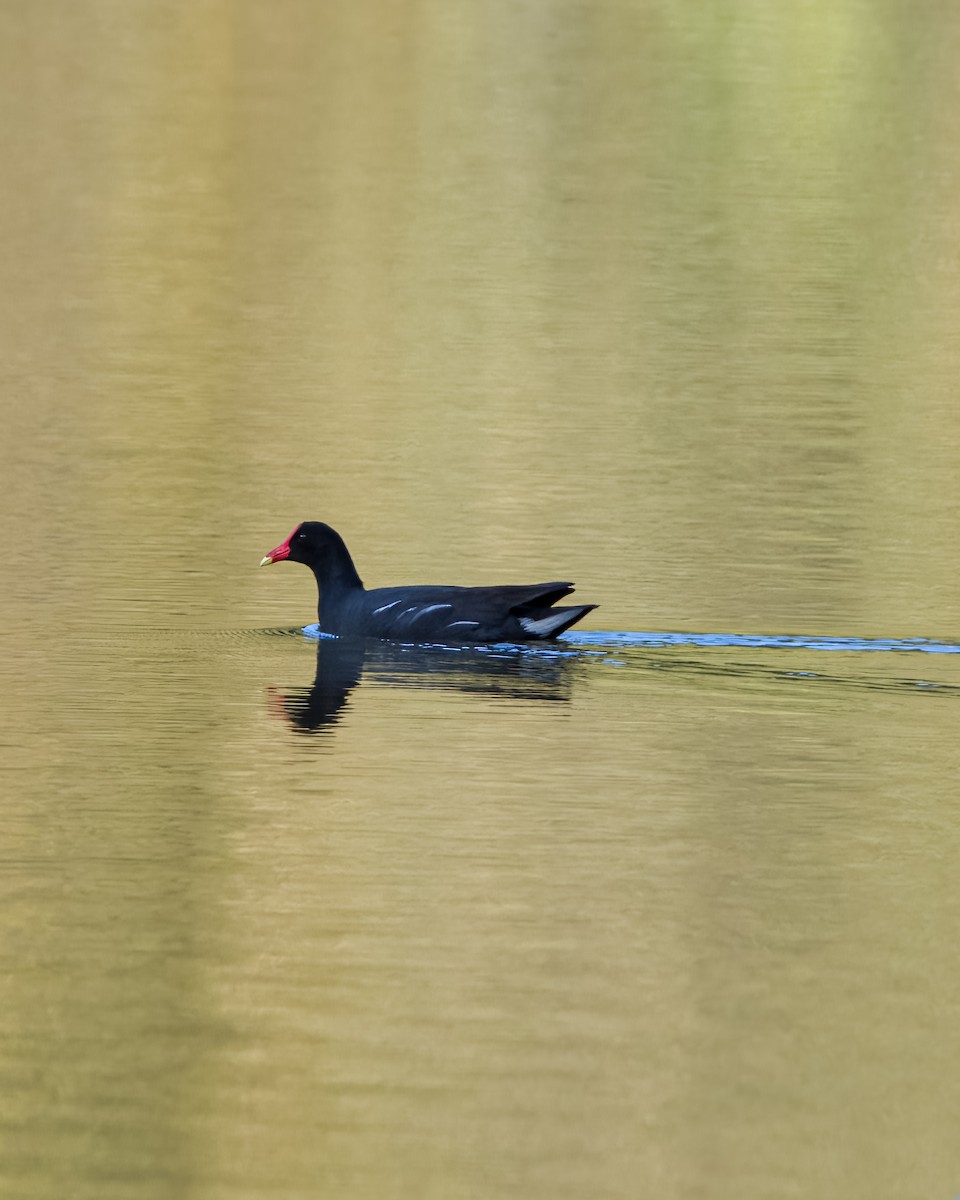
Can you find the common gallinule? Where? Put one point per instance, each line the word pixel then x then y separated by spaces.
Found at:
pixel 418 614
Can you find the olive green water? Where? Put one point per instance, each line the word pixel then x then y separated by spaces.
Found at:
pixel 660 297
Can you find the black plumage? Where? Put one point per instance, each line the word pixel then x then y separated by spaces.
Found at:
pixel 511 613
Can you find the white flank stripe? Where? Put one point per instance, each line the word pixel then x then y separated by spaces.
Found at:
pixel 456 623
pixel 429 609
pixel 384 607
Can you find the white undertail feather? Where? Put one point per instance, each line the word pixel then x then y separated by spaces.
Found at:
pixel 544 626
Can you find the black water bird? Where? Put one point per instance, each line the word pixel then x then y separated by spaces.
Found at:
pixel 512 613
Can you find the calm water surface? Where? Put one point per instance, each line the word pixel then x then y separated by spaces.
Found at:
pixel 659 300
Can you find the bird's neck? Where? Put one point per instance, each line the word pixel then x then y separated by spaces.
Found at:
pixel 337 579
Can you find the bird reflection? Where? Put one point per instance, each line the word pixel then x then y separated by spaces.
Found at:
pixel 515 673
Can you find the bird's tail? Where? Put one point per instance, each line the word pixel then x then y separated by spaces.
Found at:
pixel 548 622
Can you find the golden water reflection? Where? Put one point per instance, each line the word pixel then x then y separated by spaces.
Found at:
pixel 658 299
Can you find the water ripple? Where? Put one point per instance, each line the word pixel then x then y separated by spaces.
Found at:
pixel 619 640
pixel 764 642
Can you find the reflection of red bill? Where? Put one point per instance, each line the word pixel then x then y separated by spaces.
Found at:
pixel 279 553
pixel 277 704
